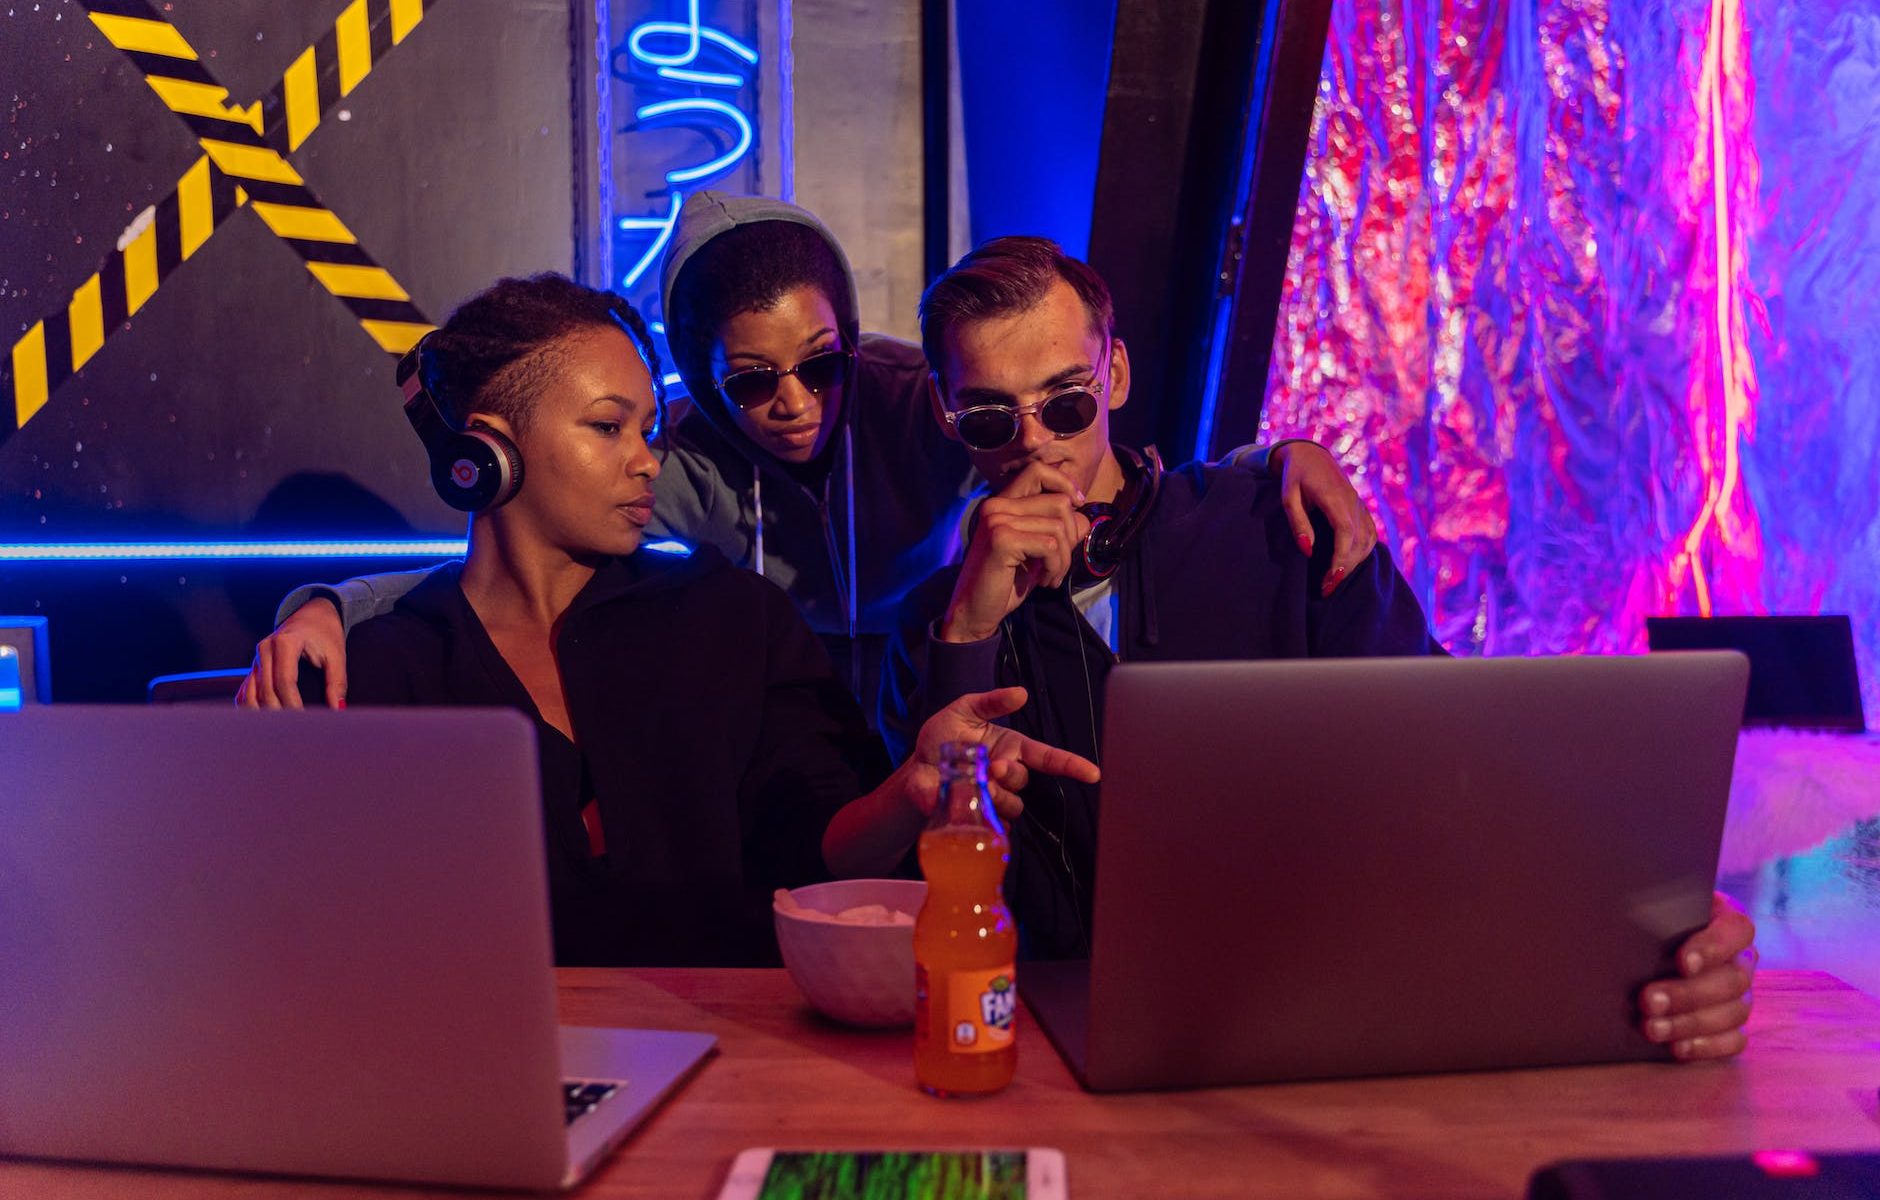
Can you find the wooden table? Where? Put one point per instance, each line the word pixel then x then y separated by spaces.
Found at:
pixel 784 1077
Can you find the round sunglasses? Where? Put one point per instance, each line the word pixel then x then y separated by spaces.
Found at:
pixel 755 386
pixel 1065 413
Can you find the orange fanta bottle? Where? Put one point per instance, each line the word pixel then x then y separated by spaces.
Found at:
pixel 965 991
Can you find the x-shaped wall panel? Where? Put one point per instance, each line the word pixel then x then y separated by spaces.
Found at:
pixel 244 164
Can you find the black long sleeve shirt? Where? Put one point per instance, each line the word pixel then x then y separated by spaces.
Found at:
pixel 709 730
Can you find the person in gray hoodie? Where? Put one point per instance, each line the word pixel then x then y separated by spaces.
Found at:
pixel 810 453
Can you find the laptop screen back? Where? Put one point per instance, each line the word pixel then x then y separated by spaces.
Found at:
pixel 310 943
pixel 1365 867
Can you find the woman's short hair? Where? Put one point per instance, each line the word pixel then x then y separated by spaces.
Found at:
pixel 1002 278
pixel 497 349
pixel 748 269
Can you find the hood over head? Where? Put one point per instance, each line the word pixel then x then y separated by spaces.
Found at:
pixel 705 217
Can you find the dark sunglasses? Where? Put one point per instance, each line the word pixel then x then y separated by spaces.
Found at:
pixel 992 426
pixel 758 385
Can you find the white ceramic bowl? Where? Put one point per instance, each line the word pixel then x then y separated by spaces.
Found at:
pixel 858 974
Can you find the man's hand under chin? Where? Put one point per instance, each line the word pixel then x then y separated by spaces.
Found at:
pixel 1026 538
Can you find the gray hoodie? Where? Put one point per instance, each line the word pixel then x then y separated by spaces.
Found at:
pixel 883 506
pixel 885 502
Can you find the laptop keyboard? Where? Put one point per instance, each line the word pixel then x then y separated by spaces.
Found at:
pixel 580 1098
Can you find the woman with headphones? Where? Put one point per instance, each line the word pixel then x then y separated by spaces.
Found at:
pixel 696 750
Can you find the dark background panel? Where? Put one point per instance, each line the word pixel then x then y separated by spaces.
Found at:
pixel 243 401
pixel 241 373
pixel 1163 141
pixel 1160 187
pixel 450 162
pixel 114 626
pixel 84 147
pixel 1190 113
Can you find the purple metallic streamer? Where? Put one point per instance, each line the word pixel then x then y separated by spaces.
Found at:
pixel 1543 305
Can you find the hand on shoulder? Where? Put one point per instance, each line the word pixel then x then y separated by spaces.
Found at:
pixel 312 633
pixel 1311 480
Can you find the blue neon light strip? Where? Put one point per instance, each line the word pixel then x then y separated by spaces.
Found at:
pixel 786 94
pixel 681 65
pixel 664 225
pixel 693 32
pixel 235 551
pixel 700 104
pixel 1211 386
pixel 323 548
pixel 707 78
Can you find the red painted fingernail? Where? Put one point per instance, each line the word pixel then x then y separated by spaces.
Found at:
pixel 341 704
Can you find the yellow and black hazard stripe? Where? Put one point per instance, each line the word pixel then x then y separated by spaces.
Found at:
pixel 245 148
pixel 56 347
pixel 172 68
pixel 318 78
pixel 332 67
pixel 334 257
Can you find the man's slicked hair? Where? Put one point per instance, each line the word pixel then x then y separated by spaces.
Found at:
pixel 1002 278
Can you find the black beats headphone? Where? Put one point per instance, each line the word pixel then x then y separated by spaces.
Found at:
pixel 479 468
pixel 1114 526
pixel 472 469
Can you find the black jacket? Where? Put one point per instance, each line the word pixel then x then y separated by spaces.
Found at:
pixel 1213 574
pixel 709 729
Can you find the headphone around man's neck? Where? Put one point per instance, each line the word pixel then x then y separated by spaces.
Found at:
pixel 1115 525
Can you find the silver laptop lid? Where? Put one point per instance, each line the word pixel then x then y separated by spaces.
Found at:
pixel 1360 867
pixel 288 942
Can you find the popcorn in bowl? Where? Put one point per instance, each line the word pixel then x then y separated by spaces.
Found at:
pixel 861 914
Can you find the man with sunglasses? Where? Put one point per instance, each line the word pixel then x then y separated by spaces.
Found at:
pixel 808 454
pixel 1088 554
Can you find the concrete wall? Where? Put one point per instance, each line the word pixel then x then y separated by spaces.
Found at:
pixel 858 145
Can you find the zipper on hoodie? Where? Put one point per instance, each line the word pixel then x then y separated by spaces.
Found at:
pixel 847 581
pixel 821 503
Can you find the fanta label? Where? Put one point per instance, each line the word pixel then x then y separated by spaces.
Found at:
pixel 981 1006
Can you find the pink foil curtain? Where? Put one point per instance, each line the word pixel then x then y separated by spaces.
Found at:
pixel 1586 294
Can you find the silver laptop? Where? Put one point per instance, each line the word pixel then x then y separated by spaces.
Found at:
pixel 1335 868
pixel 302 943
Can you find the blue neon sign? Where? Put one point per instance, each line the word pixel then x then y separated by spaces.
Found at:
pixel 673 67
